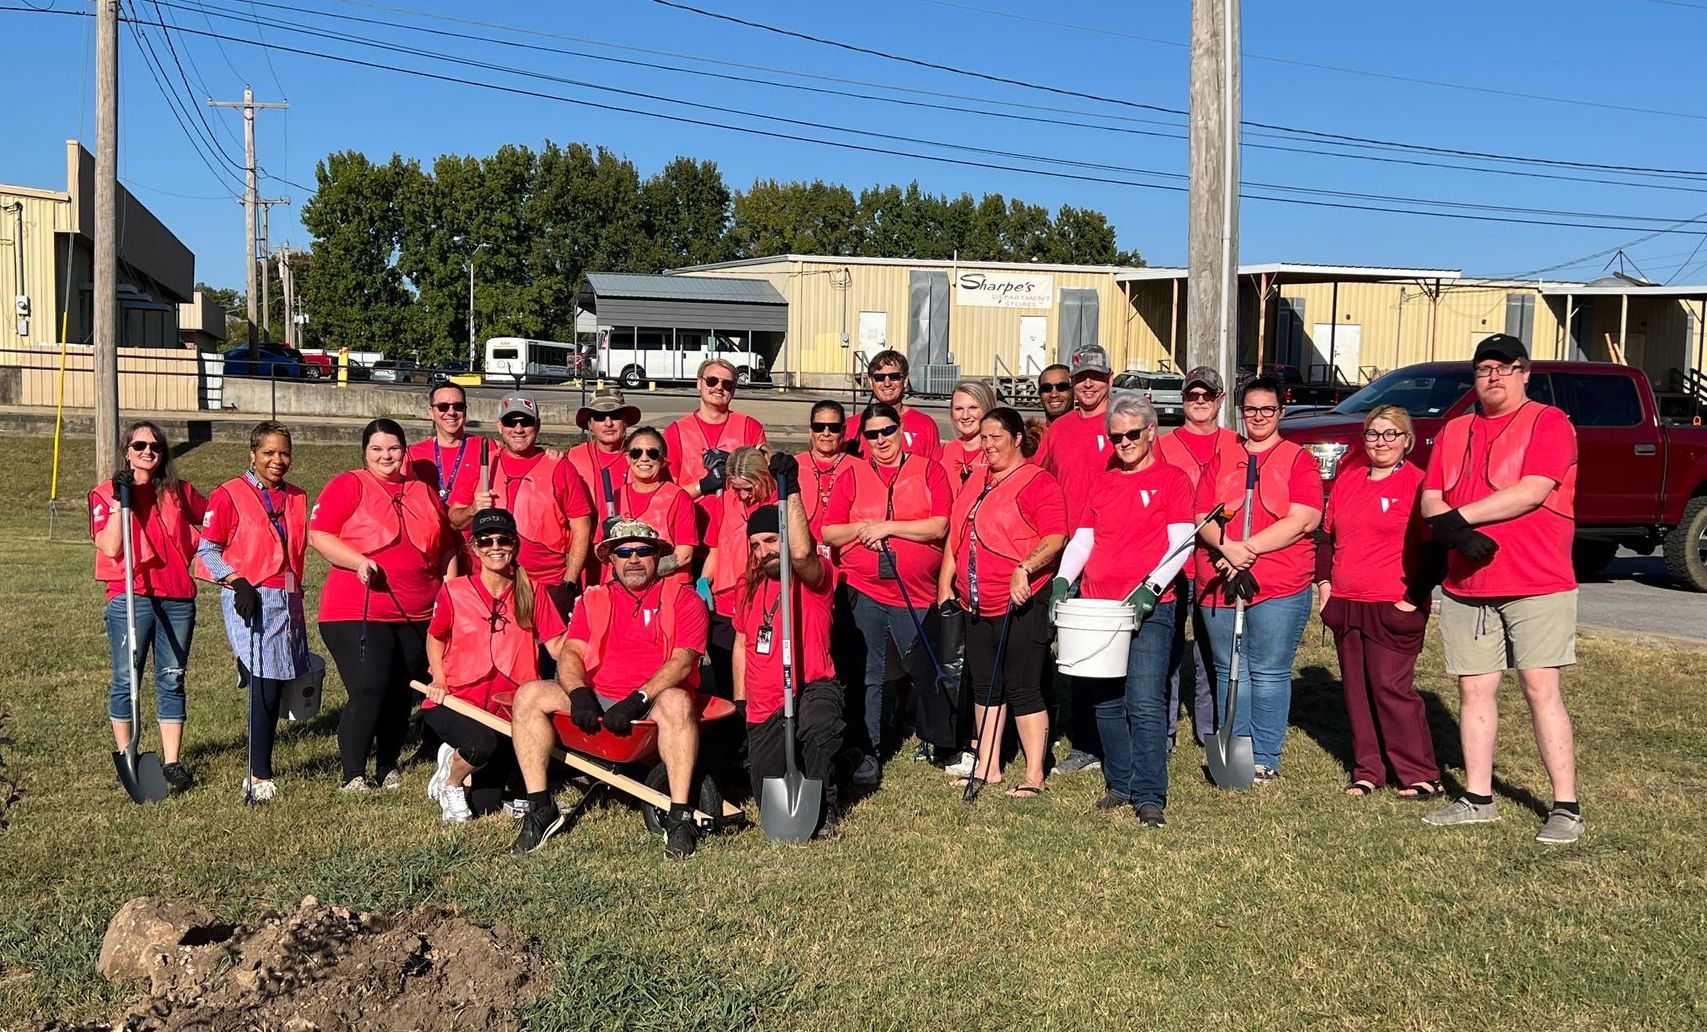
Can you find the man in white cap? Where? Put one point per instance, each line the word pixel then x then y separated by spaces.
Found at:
pixel 553 510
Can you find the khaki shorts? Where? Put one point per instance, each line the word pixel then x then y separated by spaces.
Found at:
pixel 1489 635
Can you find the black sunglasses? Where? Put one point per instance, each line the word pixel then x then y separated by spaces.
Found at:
pixel 604 417
pixel 646 453
pixel 888 377
pixel 882 431
pixel 718 381
pixel 1131 435
pixel 494 541
pixel 450 406
pixel 1199 396
pixel 1055 387
pixel 634 551
pixel 146 446
pixel 828 428
pixel 517 421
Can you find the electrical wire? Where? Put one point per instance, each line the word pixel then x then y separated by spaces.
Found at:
pixel 201 112
pixel 173 102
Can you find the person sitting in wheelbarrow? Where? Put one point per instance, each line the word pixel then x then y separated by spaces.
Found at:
pixel 758 647
pixel 632 652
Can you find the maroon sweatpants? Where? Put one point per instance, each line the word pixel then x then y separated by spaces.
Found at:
pixel 1378 647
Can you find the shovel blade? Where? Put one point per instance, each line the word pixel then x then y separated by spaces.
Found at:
pixel 145 782
pixel 1230 761
pixel 789 807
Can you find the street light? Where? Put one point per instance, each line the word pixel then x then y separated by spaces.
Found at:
pixel 459 239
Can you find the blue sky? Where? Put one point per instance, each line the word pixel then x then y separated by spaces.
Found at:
pixel 1642 54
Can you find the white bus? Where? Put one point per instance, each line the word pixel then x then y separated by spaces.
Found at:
pixel 634 355
pixel 535 361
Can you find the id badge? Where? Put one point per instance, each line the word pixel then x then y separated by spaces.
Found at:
pixel 762 641
pixel 886 566
pixel 289 581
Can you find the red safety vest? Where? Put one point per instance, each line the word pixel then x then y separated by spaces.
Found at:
pixel 596 602
pixel 1002 527
pixel 689 466
pixel 651 509
pixel 378 522
pixel 1274 479
pixel 911 494
pixel 169 510
pixel 960 464
pixel 539 515
pixel 1505 456
pixel 254 550
pixel 1227 449
pixel 817 483
pixel 586 460
pixel 476 654
pixel 731 541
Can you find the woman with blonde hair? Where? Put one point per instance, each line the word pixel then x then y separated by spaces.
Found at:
pixel 748 485
pixel 963 457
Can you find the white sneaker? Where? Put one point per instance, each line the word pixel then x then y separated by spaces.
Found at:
pixel 257 790
pixel 961 767
pixel 453 805
pixel 355 785
pixel 441 773
pixel 869 771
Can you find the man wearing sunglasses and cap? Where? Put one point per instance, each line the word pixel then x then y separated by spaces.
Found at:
pixel 603 458
pixel 886 375
pixel 700 443
pixel 449 461
pixel 632 652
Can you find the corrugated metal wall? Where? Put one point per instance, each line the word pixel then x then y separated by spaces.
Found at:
pixel 42 282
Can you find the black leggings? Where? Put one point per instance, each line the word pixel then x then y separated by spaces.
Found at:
pixel 1020 682
pixel 264 698
pixel 477 743
pixel 376 717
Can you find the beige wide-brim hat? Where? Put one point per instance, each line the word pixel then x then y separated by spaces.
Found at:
pixel 607 399
pixel 625 532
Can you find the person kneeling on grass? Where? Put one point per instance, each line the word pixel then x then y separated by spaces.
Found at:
pixel 758 656
pixel 632 652
pixel 483 640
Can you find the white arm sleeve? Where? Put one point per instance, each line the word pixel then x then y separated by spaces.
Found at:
pixel 1164 574
pixel 1076 554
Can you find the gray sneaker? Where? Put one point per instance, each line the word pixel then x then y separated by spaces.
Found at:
pixel 869 772
pixel 393 779
pixel 355 784
pixel 1077 760
pixel 1562 828
pixel 1463 811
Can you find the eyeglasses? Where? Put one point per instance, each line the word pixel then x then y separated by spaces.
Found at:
pixel 146 446
pixel 887 377
pixel 718 381
pixel 450 406
pixel 634 551
pixel 1055 387
pixel 1504 369
pixel 494 541
pixel 882 431
pixel 513 421
pixel 646 453
pixel 1131 435
pixel 1199 396
pixel 604 417
pixel 828 428
pixel 1260 411
pixel 1383 435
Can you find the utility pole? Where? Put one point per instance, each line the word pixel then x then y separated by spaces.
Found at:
pixel 1212 304
pixel 266 205
pixel 104 333
pixel 285 281
pixel 250 201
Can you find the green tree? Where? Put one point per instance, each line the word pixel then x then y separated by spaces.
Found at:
pixel 355 292
pixel 686 211
pixel 802 218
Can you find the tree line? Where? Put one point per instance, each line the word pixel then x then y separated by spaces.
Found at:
pixel 391 240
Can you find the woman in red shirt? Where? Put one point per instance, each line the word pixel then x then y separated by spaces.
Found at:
pixel 963 458
pixel 1272 569
pixel 1004 535
pixel 643 494
pixel 749 485
pixel 887 517
pixel 165 513
pixel 1372 578
pixel 390 544
pixel 483 640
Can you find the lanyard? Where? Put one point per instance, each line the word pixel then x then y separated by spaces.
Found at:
pixel 826 479
pixel 497 618
pixel 972 535
pixel 274 516
pixel 770 614
pixel 889 502
pixel 438 464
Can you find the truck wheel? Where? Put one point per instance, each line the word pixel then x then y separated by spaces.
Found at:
pixel 1590 558
pixel 631 378
pixel 743 376
pixel 1686 547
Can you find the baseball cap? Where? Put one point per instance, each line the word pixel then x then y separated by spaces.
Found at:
pixel 1090 358
pixel 518 403
pixel 606 399
pixel 1206 377
pixel 493 521
pixel 1501 347
pixel 624 532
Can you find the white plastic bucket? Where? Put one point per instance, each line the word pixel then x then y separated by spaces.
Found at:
pixel 1093 636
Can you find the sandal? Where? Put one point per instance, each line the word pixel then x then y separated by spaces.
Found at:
pixel 1422 791
pixel 1360 788
pixel 971 779
pixel 1027 791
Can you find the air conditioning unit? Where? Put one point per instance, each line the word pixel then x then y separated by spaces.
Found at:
pixel 935 380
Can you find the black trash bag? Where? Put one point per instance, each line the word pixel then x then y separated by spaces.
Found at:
pixel 936 688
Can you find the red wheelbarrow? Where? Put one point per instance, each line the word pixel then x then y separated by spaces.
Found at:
pixel 601 756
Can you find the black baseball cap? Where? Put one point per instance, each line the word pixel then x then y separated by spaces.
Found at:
pixel 493 521
pixel 1501 347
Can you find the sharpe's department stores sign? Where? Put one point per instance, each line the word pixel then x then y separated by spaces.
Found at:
pixel 1004 290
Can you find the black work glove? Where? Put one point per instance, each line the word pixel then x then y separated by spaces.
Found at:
pixel 620 718
pixel 1452 530
pixel 786 469
pixel 716 471
pixel 741 710
pixel 609 522
pixel 1242 584
pixel 563 596
pixel 123 481
pixel 584 710
pixel 246 601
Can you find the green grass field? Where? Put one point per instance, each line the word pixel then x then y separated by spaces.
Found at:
pixel 1285 907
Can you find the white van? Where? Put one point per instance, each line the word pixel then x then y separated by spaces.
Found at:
pixel 634 355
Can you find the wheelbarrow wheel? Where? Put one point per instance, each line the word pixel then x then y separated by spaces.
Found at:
pixel 705 794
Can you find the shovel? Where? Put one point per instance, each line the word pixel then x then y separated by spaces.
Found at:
pixel 141 776
pixel 789 805
pixel 1231 764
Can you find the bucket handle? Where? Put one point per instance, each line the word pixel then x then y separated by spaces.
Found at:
pixel 1112 635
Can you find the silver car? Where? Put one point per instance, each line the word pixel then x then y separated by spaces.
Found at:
pixel 1163 390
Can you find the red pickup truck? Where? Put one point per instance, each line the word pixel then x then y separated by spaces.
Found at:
pixel 1641 481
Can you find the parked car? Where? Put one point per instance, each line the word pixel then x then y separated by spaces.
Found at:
pixel 1641 483
pixel 316 365
pixel 273 361
pixel 398 370
pixel 1163 390
pixel 1295 390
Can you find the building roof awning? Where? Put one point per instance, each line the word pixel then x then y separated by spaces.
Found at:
pixel 685 302
pixel 1300 272
pixel 1622 290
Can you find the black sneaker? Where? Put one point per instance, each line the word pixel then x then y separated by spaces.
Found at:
pixel 538 826
pixel 177 777
pixel 681 836
pixel 1150 816
pixel 1112 801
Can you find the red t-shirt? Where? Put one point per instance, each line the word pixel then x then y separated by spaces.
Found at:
pixel 566 487
pixel 917 564
pixel 631 644
pixel 1376 526
pixel 1044 508
pixel 413 577
pixel 1201 446
pixel 221 523
pixel 963 464
pixel 919 433
pixel 1278 574
pixel 1130 513
pixel 1076 451
pixel 812 608
pixel 1535 549
pixel 460 465
pixel 752 435
pixel 547 624
pixel 171 578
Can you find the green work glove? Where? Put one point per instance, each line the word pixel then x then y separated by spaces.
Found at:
pixel 1143 600
pixel 1058 589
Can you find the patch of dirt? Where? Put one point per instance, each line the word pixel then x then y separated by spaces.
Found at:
pixel 322 967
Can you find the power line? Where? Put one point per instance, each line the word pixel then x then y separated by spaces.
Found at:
pixel 172 101
pixel 212 137
pixel 189 56
pixel 269 56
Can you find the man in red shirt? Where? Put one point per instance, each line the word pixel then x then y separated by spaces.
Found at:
pixel 1500 493
pixel 632 652
pixel 553 509
pixel 886 375
pixel 1055 391
pixel 758 653
pixel 449 461
pixel 701 442
pixel 1076 451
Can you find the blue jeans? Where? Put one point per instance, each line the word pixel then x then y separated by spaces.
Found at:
pixel 1203 696
pixel 878 625
pixel 1272 630
pixel 166 625
pixel 1132 715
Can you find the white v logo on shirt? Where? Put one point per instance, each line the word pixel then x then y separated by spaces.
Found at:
pixel 1145 495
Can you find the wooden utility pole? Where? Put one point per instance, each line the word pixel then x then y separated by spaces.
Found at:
pixel 1213 288
pixel 250 201
pixel 104 337
pixel 266 257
